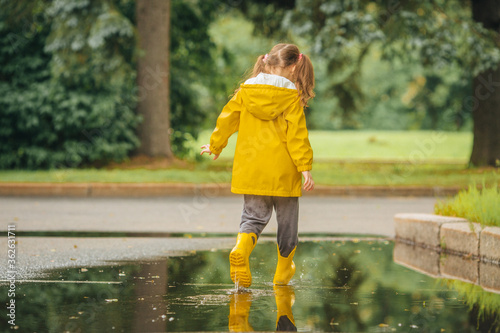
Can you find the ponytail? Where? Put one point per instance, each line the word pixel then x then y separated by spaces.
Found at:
pixel 304 76
pixel 259 67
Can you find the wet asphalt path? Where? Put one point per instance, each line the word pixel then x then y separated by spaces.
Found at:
pixel 331 215
pixel 196 215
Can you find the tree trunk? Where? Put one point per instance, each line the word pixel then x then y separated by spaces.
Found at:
pixel 153 26
pixel 486 95
pixel 147 312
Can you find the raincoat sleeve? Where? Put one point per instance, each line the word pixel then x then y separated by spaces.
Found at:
pixel 298 138
pixel 227 123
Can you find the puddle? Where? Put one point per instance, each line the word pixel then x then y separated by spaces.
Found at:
pixel 339 286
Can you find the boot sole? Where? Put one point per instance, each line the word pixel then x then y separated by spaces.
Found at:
pixel 240 269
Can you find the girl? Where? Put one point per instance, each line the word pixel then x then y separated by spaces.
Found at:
pixel 272 151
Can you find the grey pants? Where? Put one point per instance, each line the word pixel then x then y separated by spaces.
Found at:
pixel 257 211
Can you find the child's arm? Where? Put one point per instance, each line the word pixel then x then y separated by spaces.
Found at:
pixel 298 144
pixel 297 138
pixel 227 124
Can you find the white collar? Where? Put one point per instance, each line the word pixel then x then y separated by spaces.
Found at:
pixel 272 80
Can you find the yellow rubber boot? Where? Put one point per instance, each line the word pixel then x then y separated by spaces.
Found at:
pixel 285 269
pixel 238 258
pixel 285 297
pixel 239 310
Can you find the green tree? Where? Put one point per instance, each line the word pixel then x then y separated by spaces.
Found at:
pixel 66 86
pixel 486 101
pixel 198 87
pixel 153 67
pixel 437 34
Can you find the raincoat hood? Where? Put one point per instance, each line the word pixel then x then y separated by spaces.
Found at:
pixel 268 95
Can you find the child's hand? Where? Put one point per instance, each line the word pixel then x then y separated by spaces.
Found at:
pixel 308 181
pixel 206 149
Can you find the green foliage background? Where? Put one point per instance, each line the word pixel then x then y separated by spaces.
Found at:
pixel 68 68
pixel 66 84
pixel 67 80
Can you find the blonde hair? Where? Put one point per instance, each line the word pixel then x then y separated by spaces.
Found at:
pixel 284 55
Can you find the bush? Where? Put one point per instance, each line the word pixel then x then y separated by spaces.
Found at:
pixel 62 106
pixel 47 126
pixel 482 206
pixel 67 80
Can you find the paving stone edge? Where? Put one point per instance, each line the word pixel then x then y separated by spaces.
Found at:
pixel 466 250
pixel 420 230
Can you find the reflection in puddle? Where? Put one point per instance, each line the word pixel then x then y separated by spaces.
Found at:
pixel 458 267
pixel 347 286
pixel 241 301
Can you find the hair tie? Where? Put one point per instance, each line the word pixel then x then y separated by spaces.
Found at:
pixel 265 58
pixel 300 56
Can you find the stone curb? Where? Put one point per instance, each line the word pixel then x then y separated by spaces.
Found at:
pixel 452 235
pixel 422 229
pixel 209 190
pixel 449 247
pixel 490 244
pixel 461 238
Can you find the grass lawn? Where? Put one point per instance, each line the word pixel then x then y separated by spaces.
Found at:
pixel 341 158
pixel 417 146
pixel 324 173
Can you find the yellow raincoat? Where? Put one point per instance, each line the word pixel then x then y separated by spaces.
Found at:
pixel 273 145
